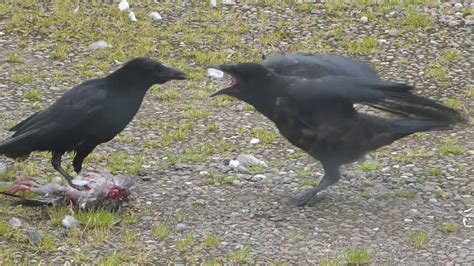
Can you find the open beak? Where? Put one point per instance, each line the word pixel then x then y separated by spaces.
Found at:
pixel 173 73
pixel 229 90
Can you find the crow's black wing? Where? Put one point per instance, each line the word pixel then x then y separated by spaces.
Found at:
pixel 318 65
pixel 71 112
pixel 335 96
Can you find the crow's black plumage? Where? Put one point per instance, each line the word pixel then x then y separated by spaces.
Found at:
pixel 311 101
pixel 88 115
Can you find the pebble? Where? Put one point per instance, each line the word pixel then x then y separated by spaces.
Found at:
pixel 180 227
pixel 70 221
pixel 254 141
pixel 458 6
pixel 123 5
pixel 3 168
pixel 155 16
pixel 406 220
pixel 15 222
pixel 34 236
pixel 132 17
pixel 146 178
pixel 433 200
pixel 453 23
pixel 258 177
pixel 393 32
pixel 99 45
pixel 364 19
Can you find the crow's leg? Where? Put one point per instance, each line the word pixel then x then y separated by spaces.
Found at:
pixel 310 197
pixel 56 162
pixel 79 158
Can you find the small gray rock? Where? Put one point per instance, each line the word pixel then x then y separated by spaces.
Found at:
pixel 146 178
pixel 155 16
pixel 453 23
pixel 99 45
pixel 180 227
pixel 364 19
pixel 70 222
pixel 3 168
pixel 433 200
pixel 458 6
pixel 393 32
pixel 34 236
pixel 259 177
pixel 15 222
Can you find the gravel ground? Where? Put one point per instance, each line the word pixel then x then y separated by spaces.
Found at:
pixel 417 187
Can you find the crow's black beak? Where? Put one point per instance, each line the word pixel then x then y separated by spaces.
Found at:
pixel 173 73
pixel 231 90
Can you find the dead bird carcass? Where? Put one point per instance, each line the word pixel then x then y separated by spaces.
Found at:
pixel 104 190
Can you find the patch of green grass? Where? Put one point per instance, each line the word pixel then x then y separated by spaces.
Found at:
pixel 248 108
pixel 130 218
pixel 165 94
pixel 212 241
pixel 60 51
pixel 415 19
pixel 186 242
pixel 23 79
pixel 122 162
pixel 124 138
pixel 470 92
pixel 161 231
pixel 357 256
pixel 438 72
pixel 449 55
pixel 222 101
pixel 309 182
pixel 9 124
pixel 405 194
pixel 239 256
pixel 451 146
pixel 369 166
pixel 208 181
pixel 228 180
pixel 332 262
pixel 213 127
pixel 200 153
pixel 99 218
pixel 12 58
pixel 5 230
pixel 27 168
pixel 366 46
pixel 9 174
pixel 418 239
pixel 305 7
pixel 115 259
pixel 181 216
pixel 129 240
pixel 257 169
pixel 450 228
pixel 194 114
pixel 56 214
pixel 33 95
pixel 436 171
pixel 46 244
pixel 265 136
pixel 210 262
pixel 453 103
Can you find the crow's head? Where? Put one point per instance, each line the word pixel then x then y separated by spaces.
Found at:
pixel 249 81
pixel 150 71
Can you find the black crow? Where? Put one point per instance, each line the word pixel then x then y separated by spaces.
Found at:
pixel 87 115
pixel 318 116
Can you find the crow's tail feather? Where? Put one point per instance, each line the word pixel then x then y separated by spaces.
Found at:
pixel 407 104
